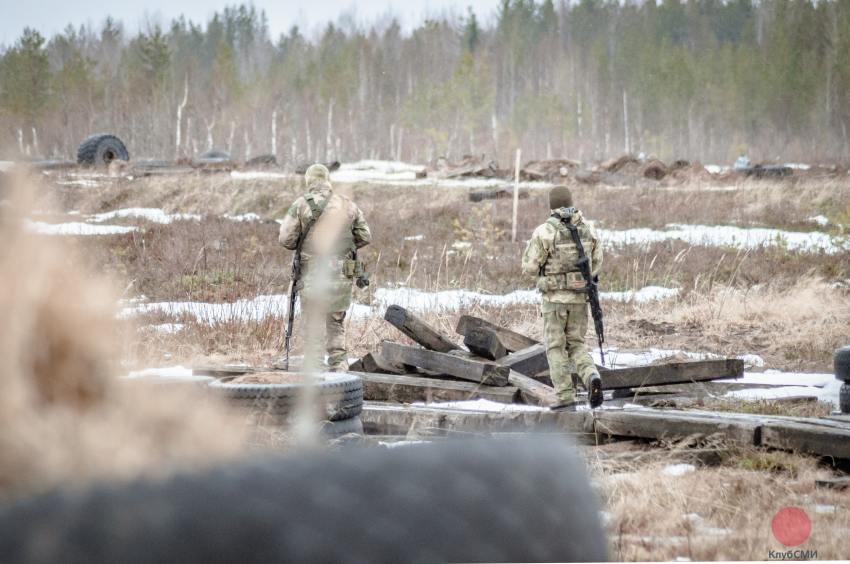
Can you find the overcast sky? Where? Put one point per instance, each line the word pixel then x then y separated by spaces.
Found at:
pixel 51 16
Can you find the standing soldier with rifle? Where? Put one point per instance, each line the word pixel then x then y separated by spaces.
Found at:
pixel 566 277
pixel 323 225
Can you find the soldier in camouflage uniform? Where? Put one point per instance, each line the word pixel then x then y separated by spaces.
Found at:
pixel 335 229
pixel 551 255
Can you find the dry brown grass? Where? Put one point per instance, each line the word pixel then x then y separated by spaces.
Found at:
pixel 718 513
pixel 65 417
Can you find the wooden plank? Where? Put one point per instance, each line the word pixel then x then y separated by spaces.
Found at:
pixel 412 326
pixel 485 343
pixel 413 388
pixel 395 419
pixel 465 368
pixel 530 361
pixel 656 424
pixel 373 362
pixel 671 373
pixel 533 391
pixel 512 340
pixel 810 439
pixel 834 483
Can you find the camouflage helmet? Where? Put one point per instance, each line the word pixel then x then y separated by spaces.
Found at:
pixel 317 172
pixel 560 197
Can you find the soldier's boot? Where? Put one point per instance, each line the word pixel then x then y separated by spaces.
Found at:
pixel 594 391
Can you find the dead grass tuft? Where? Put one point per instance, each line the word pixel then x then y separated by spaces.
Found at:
pixel 65 417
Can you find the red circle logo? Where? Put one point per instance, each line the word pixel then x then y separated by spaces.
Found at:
pixel 791 526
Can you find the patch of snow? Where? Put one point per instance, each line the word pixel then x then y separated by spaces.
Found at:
pixel 824 387
pixel 644 295
pixel 752 361
pixel 776 392
pixel 75 228
pixel 716 169
pixel 259 175
pixel 414 238
pixel 778 378
pixel 6 165
pixel 726 236
pixel 482 405
pixel 798 166
pixel 79 182
pixel 166 373
pixel 251 216
pixel 255 309
pixel 404 174
pixel 821 220
pixel 154 215
pixel 678 469
pixel 396 444
pixel 825 509
pixel 417 300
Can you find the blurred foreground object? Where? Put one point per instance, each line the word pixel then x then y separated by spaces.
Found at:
pixel 458 501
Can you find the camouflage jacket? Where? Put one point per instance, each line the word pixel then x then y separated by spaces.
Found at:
pixel 340 229
pixel 551 256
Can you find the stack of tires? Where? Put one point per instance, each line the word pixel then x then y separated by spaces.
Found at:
pixel 841 361
pixel 335 398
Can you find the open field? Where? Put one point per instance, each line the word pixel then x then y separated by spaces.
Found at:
pixel 199 277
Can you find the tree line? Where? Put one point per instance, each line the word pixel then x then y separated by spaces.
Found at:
pixel 589 79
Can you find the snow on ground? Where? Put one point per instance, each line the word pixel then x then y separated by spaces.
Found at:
pixel 482 405
pixel 678 469
pixel 167 327
pixel 243 217
pixel 154 215
pixel 80 182
pixel 777 384
pixel 821 220
pixel 716 169
pixel 6 165
pixel 75 228
pixel 166 373
pixel 644 295
pixel 404 174
pixel 726 236
pixel 261 307
pixel 259 175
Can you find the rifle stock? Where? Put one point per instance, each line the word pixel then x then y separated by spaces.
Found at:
pixel 591 286
pixel 293 294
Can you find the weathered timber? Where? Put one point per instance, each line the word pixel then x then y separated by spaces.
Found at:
pixel 533 391
pixel 414 388
pixel 814 439
pixel 223 371
pixel 412 326
pixel 488 373
pixel 654 424
pixel 485 343
pixel 512 340
pixel 530 361
pixel 394 419
pixel 670 373
pixel 375 363
pixel 834 483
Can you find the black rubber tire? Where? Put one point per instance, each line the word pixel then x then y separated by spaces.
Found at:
pixel 100 149
pixel 456 501
pixel 338 396
pixel 844 398
pixel 841 362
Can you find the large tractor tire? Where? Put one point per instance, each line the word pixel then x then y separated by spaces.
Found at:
pixel 841 363
pixel 456 501
pixel 336 396
pixel 101 149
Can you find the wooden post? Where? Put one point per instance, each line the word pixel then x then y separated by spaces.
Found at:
pixel 488 373
pixel 415 328
pixel 516 195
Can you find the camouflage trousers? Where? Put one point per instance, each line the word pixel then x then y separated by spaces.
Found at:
pixel 334 338
pixel 564 326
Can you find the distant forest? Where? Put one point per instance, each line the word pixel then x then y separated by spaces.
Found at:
pixel 697 79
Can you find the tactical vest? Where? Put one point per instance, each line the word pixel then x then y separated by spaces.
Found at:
pixel 560 273
pixel 349 266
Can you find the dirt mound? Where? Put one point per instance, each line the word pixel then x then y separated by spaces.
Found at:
pixel 551 169
pixel 469 165
pixel 654 169
pixel 627 164
pixel 684 171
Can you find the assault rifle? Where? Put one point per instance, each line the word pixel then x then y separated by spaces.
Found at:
pixel 293 284
pixel 591 286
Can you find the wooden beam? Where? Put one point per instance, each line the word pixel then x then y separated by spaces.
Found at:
pixel 412 326
pixel 485 343
pixel 670 373
pixel 532 391
pixel 833 483
pixel 529 361
pixel 814 439
pixel 512 340
pixel 381 418
pixel 374 363
pixel 657 424
pixel 414 388
pixel 467 369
